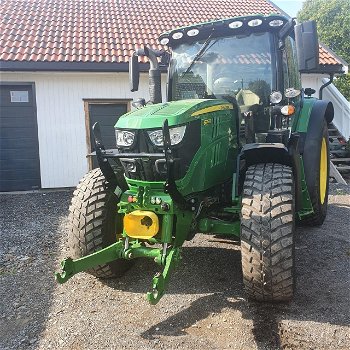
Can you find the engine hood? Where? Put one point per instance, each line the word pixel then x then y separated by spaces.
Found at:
pixel 177 113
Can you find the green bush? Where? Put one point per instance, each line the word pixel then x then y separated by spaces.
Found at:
pixel 343 85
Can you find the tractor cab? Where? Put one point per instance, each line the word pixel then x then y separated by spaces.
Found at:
pixel 250 61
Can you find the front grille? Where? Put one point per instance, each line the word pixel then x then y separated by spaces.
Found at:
pixel 155 169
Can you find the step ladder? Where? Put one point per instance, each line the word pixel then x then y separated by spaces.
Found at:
pixel 340 160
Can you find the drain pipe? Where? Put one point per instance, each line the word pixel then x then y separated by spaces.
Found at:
pixel 331 76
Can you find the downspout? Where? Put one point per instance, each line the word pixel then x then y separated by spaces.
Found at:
pixel 331 76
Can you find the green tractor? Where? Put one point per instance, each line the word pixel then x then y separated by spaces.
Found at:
pixel 239 149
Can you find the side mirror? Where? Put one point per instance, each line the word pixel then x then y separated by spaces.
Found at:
pixel 134 72
pixel 306 39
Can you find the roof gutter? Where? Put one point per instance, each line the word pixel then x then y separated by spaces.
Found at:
pixel 30 66
pixel 326 69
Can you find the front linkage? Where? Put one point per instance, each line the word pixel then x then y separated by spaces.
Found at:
pixel 168 258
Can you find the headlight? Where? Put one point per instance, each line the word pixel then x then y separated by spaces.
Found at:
pixel 124 138
pixel 176 135
pixel 276 97
pixel 291 92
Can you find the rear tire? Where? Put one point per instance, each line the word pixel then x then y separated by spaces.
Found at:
pixel 95 223
pixel 267 232
pixel 316 164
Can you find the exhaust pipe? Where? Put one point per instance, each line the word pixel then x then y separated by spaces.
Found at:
pixel 155 87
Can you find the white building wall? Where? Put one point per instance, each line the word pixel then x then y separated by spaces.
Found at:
pixel 61 118
pixel 341 109
pixel 313 81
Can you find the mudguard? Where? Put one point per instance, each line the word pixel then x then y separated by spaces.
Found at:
pixel 254 153
pixel 310 121
pixel 272 153
pixel 321 110
pixel 310 147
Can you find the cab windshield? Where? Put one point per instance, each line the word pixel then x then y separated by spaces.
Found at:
pixel 239 67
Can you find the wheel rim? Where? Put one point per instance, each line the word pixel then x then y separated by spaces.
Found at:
pixel 323 171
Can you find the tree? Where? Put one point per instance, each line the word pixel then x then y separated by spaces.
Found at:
pixel 333 27
pixel 343 85
pixel 333 23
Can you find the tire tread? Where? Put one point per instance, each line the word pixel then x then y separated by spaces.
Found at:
pixel 88 217
pixel 267 230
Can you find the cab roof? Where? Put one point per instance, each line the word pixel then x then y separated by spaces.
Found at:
pixel 225 27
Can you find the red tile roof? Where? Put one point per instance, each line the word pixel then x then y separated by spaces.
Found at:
pixel 327 58
pixel 106 30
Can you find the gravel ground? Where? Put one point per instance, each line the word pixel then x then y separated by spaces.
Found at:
pixel 204 308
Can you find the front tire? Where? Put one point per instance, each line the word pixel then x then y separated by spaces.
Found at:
pixel 267 232
pixel 95 223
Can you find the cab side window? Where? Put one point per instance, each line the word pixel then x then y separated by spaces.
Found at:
pixel 290 65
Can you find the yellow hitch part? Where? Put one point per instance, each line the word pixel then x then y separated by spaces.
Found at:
pixel 141 224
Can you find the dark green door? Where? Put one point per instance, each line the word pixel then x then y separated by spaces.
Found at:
pixel 19 146
pixel 106 115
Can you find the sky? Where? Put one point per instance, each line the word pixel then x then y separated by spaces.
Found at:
pixel 289 6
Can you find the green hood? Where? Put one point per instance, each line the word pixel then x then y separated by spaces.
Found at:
pixel 177 113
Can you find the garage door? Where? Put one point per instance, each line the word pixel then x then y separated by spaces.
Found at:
pixel 106 115
pixel 19 149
